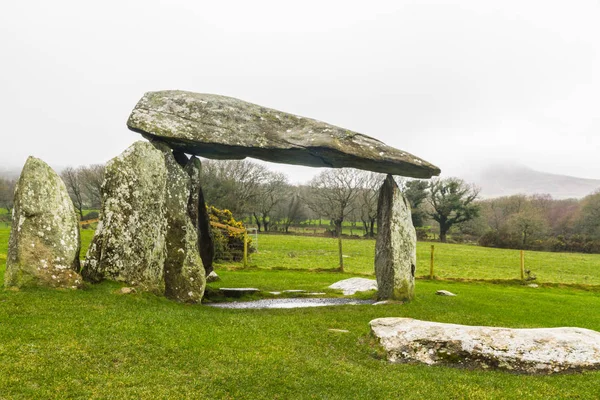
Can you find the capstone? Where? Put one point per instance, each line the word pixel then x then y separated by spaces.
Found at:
pixel 222 127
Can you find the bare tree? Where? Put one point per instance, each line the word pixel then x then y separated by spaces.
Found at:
pixel 333 194
pixel 7 191
pixel 232 184
pixel 270 194
pixel 292 210
pixel 367 200
pixel 92 178
pixel 72 179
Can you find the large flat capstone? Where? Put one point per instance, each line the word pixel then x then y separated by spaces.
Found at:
pixel 222 127
pixel 543 350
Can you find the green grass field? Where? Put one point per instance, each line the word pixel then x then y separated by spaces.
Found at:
pixel 451 260
pixel 94 343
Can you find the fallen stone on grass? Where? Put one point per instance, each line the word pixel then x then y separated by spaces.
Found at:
pixel 531 351
pixel 43 248
pixel 294 291
pixel 339 330
pixel 289 303
pixel 352 285
pixel 444 293
pixel 533 285
pixel 127 290
pixel 212 277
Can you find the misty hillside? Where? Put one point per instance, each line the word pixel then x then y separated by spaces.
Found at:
pixel 499 181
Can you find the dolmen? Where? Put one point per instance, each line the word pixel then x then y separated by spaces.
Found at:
pixel 528 351
pixel 221 127
pixel 154 232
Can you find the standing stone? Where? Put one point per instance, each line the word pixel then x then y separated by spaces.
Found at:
pixel 199 215
pixel 395 247
pixel 184 274
pixel 44 240
pixel 129 243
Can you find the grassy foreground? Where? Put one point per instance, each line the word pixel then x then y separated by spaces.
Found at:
pixel 95 343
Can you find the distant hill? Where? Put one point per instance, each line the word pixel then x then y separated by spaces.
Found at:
pixel 496 181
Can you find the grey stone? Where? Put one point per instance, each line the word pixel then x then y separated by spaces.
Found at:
pixel 44 242
pixel 352 285
pixel 146 236
pixel 395 246
pixel 543 350
pixel 444 293
pixel 184 274
pixel 212 277
pixel 199 215
pixel 129 243
pixel 127 290
pixel 226 128
pixel 533 285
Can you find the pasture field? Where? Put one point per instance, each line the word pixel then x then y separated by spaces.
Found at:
pixel 94 343
pixel 451 260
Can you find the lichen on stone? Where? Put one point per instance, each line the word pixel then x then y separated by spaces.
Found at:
pixel 44 241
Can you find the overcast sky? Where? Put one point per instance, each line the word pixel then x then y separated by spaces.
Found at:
pixel 458 83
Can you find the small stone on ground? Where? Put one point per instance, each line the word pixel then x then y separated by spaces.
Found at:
pixel 352 285
pixel 444 293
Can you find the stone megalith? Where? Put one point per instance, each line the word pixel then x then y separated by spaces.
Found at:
pixel 395 246
pixel 221 127
pixel 44 240
pixel 184 274
pixel 531 351
pixel 129 243
pixel 199 215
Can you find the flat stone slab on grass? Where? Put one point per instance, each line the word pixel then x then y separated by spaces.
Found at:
pixel 445 293
pixel 531 351
pixel 289 303
pixel 352 285
pixel 238 292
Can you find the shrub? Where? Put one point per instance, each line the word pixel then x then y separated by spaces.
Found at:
pixel 229 245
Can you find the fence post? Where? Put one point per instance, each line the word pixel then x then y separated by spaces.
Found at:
pixel 522 265
pixel 431 263
pixel 245 248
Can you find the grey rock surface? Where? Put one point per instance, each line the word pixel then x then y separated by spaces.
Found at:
pixel 129 243
pixel 352 285
pixel 44 241
pixel 444 293
pixel 212 277
pixel 184 275
pixel 222 127
pixel 395 245
pixel 199 215
pixel 533 351
pixel 146 235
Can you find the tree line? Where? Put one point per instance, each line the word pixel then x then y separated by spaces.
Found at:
pixel 447 209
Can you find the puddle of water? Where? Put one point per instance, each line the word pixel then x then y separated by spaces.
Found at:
pixel 289 303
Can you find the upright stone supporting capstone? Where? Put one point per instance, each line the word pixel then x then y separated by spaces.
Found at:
pixel 395 246
pixel 199 215
pixel 129 243
pixel 44 240
pixel 184 274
